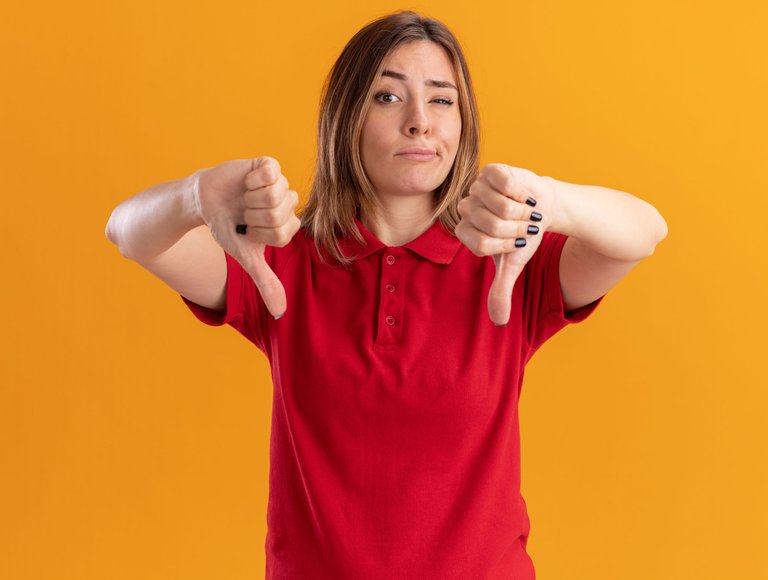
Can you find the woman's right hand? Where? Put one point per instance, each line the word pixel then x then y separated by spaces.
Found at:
pixel 255 193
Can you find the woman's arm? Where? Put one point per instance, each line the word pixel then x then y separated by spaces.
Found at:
pixel 162 229
pixel 149 223
pixel 180 230
pixel 509 208
pixel 612 223
pixel 608 231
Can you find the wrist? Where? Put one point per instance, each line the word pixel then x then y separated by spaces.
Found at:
pixel 559 220
pixel 190 200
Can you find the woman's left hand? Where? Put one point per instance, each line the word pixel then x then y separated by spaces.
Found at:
pixel 495 214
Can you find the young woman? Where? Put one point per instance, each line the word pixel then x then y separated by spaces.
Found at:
pixel 397 311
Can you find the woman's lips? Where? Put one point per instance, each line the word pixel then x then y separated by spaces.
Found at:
pixel 418 156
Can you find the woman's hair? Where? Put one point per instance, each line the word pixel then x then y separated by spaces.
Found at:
pixel 340 185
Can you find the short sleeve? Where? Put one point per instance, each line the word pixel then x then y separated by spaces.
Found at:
pixel 545 313
pixel 244 306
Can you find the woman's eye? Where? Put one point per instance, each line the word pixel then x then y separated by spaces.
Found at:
pixel 379 96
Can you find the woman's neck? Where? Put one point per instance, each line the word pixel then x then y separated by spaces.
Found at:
pixel 403 219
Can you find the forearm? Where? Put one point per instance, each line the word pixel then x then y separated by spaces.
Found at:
pixel 611 222
pixel 152 221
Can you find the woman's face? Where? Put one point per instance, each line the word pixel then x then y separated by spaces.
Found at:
pixel 412 110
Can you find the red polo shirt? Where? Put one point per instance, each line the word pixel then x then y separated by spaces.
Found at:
pixel 395 448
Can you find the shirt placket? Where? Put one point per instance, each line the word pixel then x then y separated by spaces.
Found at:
pixel 392 298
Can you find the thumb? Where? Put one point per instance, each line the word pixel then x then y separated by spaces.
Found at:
pixel 500 292
pixel 269 285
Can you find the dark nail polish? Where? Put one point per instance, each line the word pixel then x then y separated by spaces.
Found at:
pixel 535 217
pixel 533 229
pixel 530 201
pixel 499 324
pixel 241 229
pixel 520 242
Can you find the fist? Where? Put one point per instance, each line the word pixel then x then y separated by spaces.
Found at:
pixel 505 216
pixel 247 205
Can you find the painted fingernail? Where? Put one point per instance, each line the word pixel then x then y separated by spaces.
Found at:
pixel 499 324
pixel 536 217
pixel 530 201
pixel 279 316
pixel 533 229
pixel 241 229
pixel 520 242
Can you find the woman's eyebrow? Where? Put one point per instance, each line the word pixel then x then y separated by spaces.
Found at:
pixel 429 83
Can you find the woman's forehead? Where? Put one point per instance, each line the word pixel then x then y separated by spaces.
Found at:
pixel 420 58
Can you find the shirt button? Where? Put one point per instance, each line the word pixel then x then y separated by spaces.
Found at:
pixel 390 288
pixel 390 320
pixel 390 259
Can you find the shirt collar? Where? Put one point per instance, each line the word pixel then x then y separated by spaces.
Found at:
pixel 435 244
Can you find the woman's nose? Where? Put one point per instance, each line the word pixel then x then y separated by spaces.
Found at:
pixel 417 121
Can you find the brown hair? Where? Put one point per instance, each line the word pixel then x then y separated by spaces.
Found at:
pixel 340 184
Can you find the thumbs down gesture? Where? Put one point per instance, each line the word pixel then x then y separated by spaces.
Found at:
pixel 505 216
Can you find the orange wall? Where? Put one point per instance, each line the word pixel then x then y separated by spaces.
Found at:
pixel 134 439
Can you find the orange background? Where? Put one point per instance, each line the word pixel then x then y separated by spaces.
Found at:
pixel 134 440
